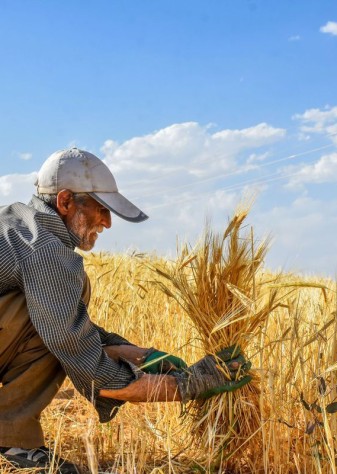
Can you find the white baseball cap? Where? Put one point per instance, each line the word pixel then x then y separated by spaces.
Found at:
pixel 82 172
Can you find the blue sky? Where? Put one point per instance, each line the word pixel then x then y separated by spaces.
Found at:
pixel 191 104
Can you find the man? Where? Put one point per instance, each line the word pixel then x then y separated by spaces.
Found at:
pixel 45 330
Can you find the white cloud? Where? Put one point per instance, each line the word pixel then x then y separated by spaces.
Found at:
pixel 257 158
pixel 323 171
pixel 160 151
pixel 294 38
pixel 303 235
pixel 17 187
pixel 322 121
pixel 318 116
pixel 303 137
pixel 25 156
pixel 254 136
pixel 330 27
pixel 187 148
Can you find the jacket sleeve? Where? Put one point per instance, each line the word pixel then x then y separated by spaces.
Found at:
pixel 110 338
pixel 52 281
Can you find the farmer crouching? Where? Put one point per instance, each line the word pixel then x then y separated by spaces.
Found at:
pixel 45 330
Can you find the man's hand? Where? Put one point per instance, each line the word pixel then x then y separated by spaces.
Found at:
pixel 229 386
pixel 234 364
pixel 226 371
pixel 232 360
pixel 150 360
pixel 134 354
pixel 158 362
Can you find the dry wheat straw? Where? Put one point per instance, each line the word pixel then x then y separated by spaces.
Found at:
pixel 216 284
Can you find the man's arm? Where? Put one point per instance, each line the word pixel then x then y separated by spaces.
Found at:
pixel 212 375
pixel 52 281
pixel 111 338
pixel 150 388
pixel 134 354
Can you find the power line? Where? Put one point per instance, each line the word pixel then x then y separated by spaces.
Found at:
pixel 289 157
pixel 241 185
pixel 237 172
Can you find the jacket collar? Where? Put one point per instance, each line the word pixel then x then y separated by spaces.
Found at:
pixel 50 220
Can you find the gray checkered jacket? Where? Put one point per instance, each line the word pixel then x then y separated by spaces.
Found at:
pixel 37 256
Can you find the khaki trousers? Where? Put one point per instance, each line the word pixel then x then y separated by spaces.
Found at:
pixel 29 373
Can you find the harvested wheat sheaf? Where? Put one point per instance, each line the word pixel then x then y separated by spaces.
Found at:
pixel 216 283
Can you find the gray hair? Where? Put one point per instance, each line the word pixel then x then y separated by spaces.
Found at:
pixel 49 199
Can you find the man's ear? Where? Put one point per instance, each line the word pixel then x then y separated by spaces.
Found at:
pixel 64 202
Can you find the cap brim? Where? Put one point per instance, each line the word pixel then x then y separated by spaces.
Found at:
pixel 120 206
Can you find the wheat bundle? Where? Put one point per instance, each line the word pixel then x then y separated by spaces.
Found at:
pixel 216 283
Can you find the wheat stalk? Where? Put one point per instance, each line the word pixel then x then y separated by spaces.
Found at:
pixel 215 283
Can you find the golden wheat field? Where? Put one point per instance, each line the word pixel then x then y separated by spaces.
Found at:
pixel 284 421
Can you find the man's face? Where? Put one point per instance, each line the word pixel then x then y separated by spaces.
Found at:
pixel 88 219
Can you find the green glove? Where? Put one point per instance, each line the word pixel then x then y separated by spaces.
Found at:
pixel 212 375
pixel 228 353
pixel 158 362
pixel 229 386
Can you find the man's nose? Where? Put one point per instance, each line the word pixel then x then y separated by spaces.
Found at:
pixel 106 219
